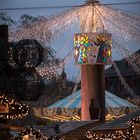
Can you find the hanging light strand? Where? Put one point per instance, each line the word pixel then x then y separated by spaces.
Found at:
pixel 128 15
pixel 45 31
pixel 53 71
pixel 120 25
pixel 125 52
pixel 114 31
pixel 130 57
pixel 133 19
pixel 130 133
pixel 123 40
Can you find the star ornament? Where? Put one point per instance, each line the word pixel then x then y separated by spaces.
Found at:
pixel 109 53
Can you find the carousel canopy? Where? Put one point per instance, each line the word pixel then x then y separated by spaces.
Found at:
pixel 74 101
pixel 69 108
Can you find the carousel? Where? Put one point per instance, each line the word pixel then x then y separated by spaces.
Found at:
pixel 69 108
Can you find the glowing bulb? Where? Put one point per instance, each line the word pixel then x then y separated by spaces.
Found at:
pixel 76 52
pixel 26 137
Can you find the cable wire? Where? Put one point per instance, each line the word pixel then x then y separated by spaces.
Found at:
pixel 125 3
pixel 41 8
pixel 66 6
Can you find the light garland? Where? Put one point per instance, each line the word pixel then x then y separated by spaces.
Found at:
pixel 46 30
pixel 124 24
pixel 133 18
pixel 130 57
pixel 11 109
pixel 89 16
pixel 128 135
pixel 119 33
pixel 134 61
pixel 54 69
pixel 11 51
pixel 34 133
pixel 51 70
pixel 29 131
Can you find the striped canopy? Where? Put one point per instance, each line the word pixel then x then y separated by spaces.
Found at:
pixel 69 108
pixel 74 101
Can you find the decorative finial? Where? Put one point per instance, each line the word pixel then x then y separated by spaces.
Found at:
pixel 92 1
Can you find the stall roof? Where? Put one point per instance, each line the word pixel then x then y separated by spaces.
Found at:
pixel 74 101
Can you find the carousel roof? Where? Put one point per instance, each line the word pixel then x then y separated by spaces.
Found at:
pixel 74 101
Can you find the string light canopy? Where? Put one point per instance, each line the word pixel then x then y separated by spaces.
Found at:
pixel 11 55
pixel 124 26
pixel 92 48
pixel 11 109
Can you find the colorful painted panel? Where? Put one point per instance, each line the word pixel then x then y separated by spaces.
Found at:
pixel 92 48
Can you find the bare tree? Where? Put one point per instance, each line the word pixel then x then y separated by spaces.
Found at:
pixel 28 20
pixel 5 19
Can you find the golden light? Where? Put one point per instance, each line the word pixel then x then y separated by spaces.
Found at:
pixel 26 137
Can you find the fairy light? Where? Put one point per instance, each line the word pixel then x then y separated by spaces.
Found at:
pixel 11 62
pixel 54 69
pixel 134 61
pixel 129 134
pixel 86 18
pixel 19 110
pixel 46 30
pixel 130 57
pixel 83 22
pixel 125 16
pixel 123 23
pixel 121 37
pixel 124 27
pixel 28 132
pixel 35 133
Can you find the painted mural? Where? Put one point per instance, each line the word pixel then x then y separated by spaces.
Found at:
pixel 92 48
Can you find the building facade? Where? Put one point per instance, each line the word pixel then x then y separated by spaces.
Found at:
pixel 132 78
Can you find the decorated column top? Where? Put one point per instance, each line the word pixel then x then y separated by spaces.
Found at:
pixel 92 48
